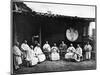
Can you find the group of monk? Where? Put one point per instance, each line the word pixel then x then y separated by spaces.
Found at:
pixel 34 55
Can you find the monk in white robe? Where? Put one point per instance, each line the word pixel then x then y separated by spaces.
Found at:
pixel 25 47
pixel 17 56
pixel 31 57
pixel 55 53
pixel 47 49
pixel 78 52
pixel 71 53
pixel 88 50
pixel 40 55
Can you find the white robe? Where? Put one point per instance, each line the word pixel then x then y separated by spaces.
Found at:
pixel 31 57
pixel 39 54
pixel 78 53
pixel 54 54
pixel 25 48
pixel 17 56
pixel 47 47
pixel 70 53
pixel 88 50
pixel 88 47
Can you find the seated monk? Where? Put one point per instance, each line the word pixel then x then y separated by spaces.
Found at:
pixel 31 57
pixel 40 55
pixel 25 47
pixel 55 53
pixel 71 53
pixel 78 52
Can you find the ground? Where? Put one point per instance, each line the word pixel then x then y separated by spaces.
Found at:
pixel 61 65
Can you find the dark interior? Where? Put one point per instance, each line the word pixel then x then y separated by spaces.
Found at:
pixel 51 28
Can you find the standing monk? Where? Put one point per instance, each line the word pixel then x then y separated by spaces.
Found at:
pixel 46 49
pixel 62 48
pixel 88 50
pixel 17 56
pixel 25 47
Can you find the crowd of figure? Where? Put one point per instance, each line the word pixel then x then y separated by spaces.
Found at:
pixel 34 55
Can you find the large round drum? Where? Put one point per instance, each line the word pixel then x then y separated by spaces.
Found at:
pixel 71 34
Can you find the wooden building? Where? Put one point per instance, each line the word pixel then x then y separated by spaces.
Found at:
pixel 32 25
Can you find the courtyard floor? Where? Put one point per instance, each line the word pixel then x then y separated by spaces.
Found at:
pixel 55 66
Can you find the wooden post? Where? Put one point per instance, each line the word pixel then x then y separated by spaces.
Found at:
pixel 40 36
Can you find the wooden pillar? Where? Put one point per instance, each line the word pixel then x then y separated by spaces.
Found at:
pixel 87 29
pixel 40 36
pixel 84 31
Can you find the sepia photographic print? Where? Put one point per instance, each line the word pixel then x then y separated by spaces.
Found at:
pixel 52 37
